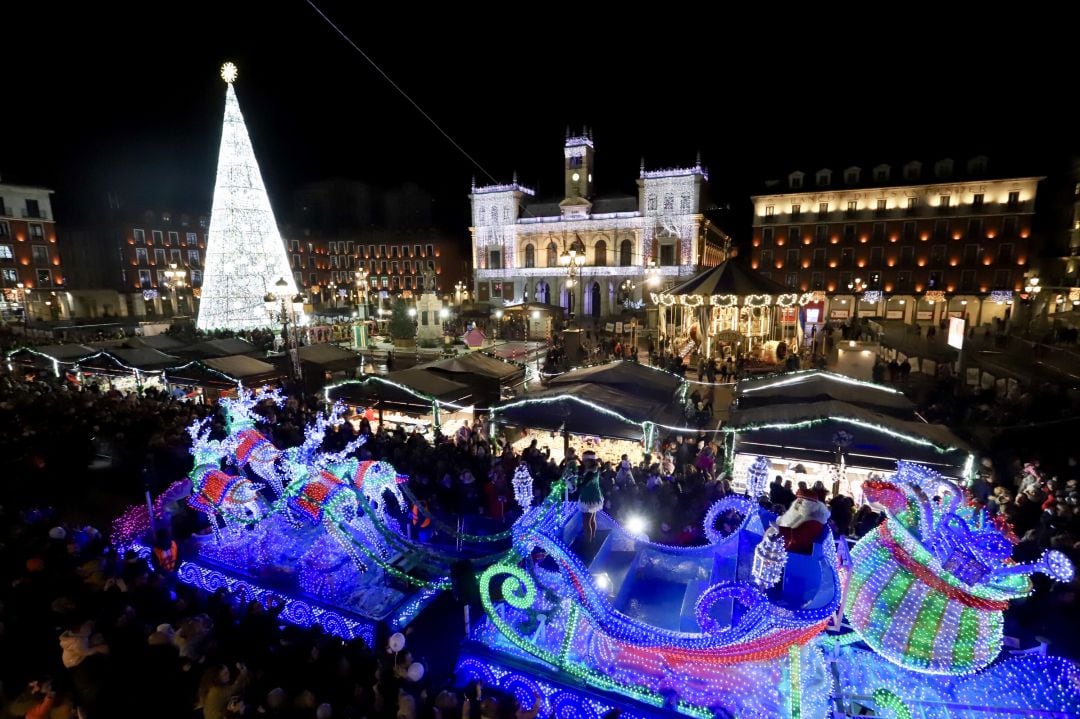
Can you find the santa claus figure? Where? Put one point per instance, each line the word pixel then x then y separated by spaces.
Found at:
pixel 802 523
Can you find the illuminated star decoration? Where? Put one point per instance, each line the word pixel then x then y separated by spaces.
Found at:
pixel 229 72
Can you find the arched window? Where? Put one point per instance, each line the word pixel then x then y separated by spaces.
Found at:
pixel 530 255
pixel 600 254
pixel 594 296
pixel 625 251
pixel 552 254
pixel 543 292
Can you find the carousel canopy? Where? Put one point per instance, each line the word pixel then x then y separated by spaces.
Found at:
pixel 819 386
pixel 729 278
pixel 808 431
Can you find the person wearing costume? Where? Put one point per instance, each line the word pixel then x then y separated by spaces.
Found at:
pixel 802 523
pixel 590 497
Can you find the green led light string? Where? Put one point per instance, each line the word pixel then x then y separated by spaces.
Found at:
pixel 887 700
pixel 575 669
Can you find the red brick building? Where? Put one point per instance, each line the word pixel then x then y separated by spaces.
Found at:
pixel 912 243
pixel 32 279
pixel 394 260
pixel 154 242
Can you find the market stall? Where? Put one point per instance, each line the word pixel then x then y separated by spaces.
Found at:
pixel 220 376
pixel 324 363
pixel 615 409
pixel 126 370
pixel 819 385
pixel 731 310
pixel 412 398
pixel 50 358
pixel 488 376
pixel 841 444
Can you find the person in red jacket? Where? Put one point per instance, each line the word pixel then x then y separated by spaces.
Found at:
pixel 802 523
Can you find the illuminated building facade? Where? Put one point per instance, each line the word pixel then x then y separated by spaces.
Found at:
pixel 32 279
pixel 913 243
pixel 518 241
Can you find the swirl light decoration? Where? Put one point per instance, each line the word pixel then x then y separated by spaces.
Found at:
pixel 930 585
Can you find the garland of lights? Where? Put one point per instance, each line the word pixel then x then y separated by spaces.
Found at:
pixel 927 591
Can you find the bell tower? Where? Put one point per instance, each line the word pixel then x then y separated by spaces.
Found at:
pixel 578 154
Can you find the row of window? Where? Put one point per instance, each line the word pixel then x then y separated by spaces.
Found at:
pixel 146 278
pixel 669 203
pixel 10 277
pixel 175 257
pixel 385 282
pixel 881 173
pixel 373 266
pixel 903 282
pixel 32 209
pixel 346 247
pixel 191 239
pixel 977 200
pixel 39 253
pixel 37 231
pixel 972 254
pixel 976 229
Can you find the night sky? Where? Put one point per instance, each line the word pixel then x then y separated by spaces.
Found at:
pixel 128 100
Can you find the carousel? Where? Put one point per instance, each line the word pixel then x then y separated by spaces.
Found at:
pixel 729 310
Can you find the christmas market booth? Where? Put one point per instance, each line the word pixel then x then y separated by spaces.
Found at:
pixel 819 386
pixel 218 377
pixel 488 377
pixel 225 347
pixel 126 370
pixel 613 409
pixel 325 362
pixel 841 444
pixel 55 359
pixel 412 398
pixel 729 310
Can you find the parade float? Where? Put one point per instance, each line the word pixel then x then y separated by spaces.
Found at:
pixel 321 533
pixel 743 627
pixel 750 623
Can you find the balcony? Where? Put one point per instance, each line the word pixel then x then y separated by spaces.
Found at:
pixel 38 215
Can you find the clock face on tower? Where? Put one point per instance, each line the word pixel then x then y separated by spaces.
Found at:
pixel 575 177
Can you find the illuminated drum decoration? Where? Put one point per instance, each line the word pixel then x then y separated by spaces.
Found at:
pixel 929 586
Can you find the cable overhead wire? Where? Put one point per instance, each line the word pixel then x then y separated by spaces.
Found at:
pixel 397 87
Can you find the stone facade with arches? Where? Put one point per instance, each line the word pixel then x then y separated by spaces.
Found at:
pixel 517 240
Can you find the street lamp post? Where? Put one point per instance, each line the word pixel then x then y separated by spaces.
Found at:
pixel 459 292
pixel 498 323
pixel 175 279
pixel 573 261
pixel 287 315
pixel 856 286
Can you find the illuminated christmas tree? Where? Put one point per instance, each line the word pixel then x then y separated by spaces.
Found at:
pixel 245 256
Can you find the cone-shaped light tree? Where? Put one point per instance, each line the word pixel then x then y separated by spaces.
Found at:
pixel 245 257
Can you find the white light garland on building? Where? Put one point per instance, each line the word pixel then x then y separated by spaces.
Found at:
pixel 245 256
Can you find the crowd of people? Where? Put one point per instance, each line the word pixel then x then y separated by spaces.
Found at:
pixel 86 626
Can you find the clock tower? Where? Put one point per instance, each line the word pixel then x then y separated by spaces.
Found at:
pixel 578 152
